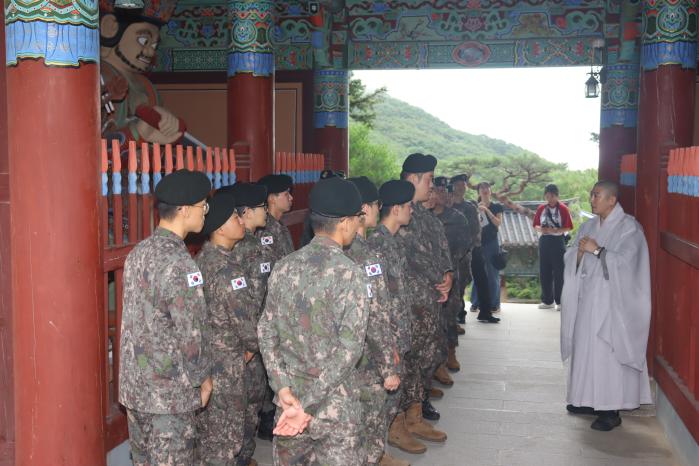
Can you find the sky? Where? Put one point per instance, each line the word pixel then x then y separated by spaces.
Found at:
pixel 543 110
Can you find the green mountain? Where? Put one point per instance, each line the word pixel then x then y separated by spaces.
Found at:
pixel 406 129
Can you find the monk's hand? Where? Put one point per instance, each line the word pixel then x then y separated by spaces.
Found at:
pixel 391 382
pixel 590 245
pixel 206 388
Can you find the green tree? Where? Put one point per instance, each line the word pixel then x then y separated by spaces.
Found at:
pixel 362 103
pixel 374 161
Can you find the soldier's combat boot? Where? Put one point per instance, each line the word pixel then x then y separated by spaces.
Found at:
pixel 460 330
pixel 399 437
pixel 388 460
pixel 442 376
pixel 421 428
pixel 428 411
pixel 452 364
pixel 436 393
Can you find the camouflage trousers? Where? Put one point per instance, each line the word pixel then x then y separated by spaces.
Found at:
pixel 220 424
pixel 256 388
pixel 373 427
pixel 162 439
pixel 429 341
pixel 411 381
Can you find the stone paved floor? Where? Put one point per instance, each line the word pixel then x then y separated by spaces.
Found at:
pixel 507 406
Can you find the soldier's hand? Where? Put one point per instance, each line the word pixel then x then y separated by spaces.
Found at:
pixel 248 356
pixel 206 388
pixel 391 383
pixel 293 421
pixel 446 284
pixel 287 399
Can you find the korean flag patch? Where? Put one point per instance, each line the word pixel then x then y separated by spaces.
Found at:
pixel 195 279
pixel 239 283
pixel 267 240
pixel 265 267
pixel 369 292
pixel 373 270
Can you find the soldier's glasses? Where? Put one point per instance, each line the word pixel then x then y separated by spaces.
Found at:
pixel 204 206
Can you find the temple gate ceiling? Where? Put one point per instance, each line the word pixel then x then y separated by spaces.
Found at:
pixel 399 34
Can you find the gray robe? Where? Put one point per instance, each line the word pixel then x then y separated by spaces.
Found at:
pixel 605 316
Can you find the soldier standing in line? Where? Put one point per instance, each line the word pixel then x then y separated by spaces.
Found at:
pixel 429 279
pixel 279 201
pixel 164 370
pixel 257 260
pixel 396 197
pixel 233 334
pixel 312 335
pixel 379 366
pixel 456 229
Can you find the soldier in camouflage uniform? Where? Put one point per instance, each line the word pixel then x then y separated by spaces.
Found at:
pixel 279 202
pixel 164 370
pixel 233 334
pixel 379 367
pixel 429 279
pixel 470 211
pixel 456 229
pixel 257 259
pixel 396 197
pixel 312 335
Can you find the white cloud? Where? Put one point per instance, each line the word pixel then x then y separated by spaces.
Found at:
pixel 543 110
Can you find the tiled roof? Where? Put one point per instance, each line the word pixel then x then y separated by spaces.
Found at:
pixel 516 230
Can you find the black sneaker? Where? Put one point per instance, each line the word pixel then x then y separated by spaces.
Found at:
pixel 488 318
pixel 474 309
pixel 428 411
pixel 581 410
pixel 606 421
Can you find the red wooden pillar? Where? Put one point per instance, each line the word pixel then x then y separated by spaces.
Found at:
pixel 7 418
pixel 251 83
pixel 58 326
pixel 331 117
pixel 666 113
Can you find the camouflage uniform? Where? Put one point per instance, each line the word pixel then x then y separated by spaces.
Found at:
pixel 427 254
pixel 281 242
pixel 312 335
pixel 470 211
pixel 163 350
pixel 257 259
pixel 380 359
pixel 456 230
pixel 395 275
pixel 232 332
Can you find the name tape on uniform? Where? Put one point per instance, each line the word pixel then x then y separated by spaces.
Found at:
pixel 239 283
pixel 267 240
pixel 195 279
pixel 369 292
pixel 373 270
pixel 265 267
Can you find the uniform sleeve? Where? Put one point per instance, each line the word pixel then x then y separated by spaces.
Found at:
pixel 381 344
pixel 349 346
pixel 269 338
pixel 187 308
pixel 443 245
pixel 240 319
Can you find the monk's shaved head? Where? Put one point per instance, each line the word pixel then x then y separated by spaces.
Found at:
pixel 610 188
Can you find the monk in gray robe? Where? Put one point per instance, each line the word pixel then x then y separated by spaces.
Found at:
pixel 605 313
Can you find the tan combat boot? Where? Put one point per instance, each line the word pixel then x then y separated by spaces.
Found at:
pixel 252 462
pixel 421 428
pixel 442 376
pixel 399 437
pixel 436 393
pixel 452 364
pixel 388 460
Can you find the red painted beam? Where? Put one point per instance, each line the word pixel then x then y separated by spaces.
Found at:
pixel 57 280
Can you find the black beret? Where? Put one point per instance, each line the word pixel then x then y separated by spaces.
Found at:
pixel 183 187
pixel 247 194
pixel 335 197
pixel 462 177
pixel 276 184
pixel 419 163
pixel 396 192
pixel 441 181
pixel 366 188
pixel 221 207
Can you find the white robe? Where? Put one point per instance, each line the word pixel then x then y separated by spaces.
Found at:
pixel 605 320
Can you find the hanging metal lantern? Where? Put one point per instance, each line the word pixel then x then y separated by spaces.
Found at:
pixel 592 86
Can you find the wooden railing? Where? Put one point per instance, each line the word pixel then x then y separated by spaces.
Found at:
pixel 127 217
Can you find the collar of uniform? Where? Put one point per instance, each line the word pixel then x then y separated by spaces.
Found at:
pixel 325 241
pixel 381 228
pixel 167 234
pixel 217 248
pixel 418 207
